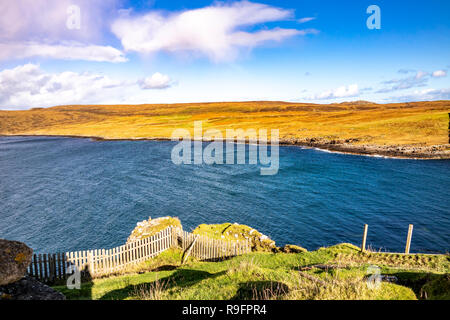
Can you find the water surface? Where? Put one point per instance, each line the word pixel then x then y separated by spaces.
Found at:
pixel 63 194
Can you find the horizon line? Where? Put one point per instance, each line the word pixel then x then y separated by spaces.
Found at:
pixel 219 102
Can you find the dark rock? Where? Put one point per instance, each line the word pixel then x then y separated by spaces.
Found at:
pixel 277 249
pixel 15 257
pixel 389 278
pixel 29 288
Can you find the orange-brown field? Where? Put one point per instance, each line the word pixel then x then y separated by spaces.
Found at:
pixel 404 129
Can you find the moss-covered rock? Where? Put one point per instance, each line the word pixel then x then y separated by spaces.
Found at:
pixel 229 231
pixel 150 227
pixel 291 248
pixel 15 257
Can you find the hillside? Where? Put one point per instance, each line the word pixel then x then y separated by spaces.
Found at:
pixel 290 273
pixel 338 272
pixel 418 129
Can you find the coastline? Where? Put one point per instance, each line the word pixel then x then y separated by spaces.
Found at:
pixel 405 152
pixel 388 152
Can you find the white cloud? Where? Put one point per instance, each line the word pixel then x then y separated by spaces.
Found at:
pixel 425 95
pixel 306 19
pixel 414 81
pixel 216 32
pixel 65 51
pixel 31 20
pixel 421 74
pixel 156 81
pixel 439 73
pixel 420 79
pixel 31 28
pixel 341 92
pixel 29 86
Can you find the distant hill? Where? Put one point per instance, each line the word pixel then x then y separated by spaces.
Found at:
pixel 358 102
pixel 357 123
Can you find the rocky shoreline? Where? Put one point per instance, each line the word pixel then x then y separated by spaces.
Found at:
pixel 437 152
pixel 349 146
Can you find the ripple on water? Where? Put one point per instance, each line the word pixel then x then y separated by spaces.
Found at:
pixel 60 194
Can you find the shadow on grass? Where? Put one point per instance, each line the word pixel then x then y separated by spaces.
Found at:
pixel 83 293
pixel 181 278
pixel 261 290
pixel 426 285
pixel 167 267
pixel 218 259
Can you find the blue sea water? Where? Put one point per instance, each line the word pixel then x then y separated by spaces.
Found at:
pixel 64 194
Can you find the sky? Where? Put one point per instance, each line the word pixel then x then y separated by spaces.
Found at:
pixel 67 52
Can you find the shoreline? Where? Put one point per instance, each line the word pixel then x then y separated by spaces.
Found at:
pixel 407 152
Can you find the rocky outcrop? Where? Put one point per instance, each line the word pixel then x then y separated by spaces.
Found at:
pixel 358 147
pixel 15 258
pixel 355 146
pixel 28 288
pixel 150 227
pixel 226 231
pixel 229 231
pixel 290 248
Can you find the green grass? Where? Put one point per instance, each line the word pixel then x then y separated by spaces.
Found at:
pixel 264 275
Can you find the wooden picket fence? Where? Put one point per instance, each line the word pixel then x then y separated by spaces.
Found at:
pixel 212 249
pixel 50 268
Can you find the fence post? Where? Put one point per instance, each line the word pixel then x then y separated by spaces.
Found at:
pixel 91 263
pixel 50 267
pixel 408 239
pixel 363 246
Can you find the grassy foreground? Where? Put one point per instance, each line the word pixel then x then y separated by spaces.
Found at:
pixel 417 123
pixel 338 272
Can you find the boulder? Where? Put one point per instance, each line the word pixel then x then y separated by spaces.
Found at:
pixel 28 288
pixel 15 257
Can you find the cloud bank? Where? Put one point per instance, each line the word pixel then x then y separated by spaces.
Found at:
pixel 29 86
pixel 39 28
pixel 217 32
pixel 341 92
pixel 424 95
pixel 420 79
pixel 63 51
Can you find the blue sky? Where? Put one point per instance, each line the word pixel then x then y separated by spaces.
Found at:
pixel 196 51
